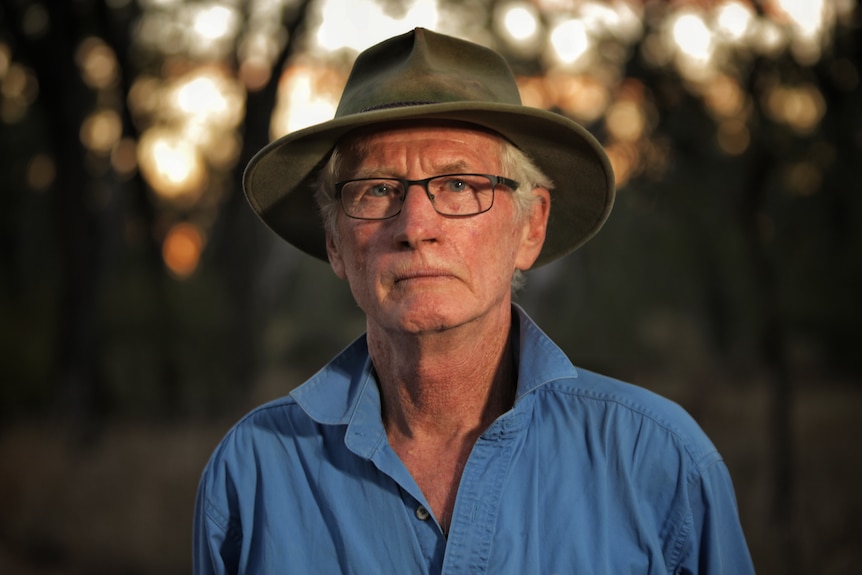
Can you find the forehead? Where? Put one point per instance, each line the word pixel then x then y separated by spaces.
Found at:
pixel 448 143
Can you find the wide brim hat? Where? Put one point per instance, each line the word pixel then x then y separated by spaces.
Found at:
pixel 423 75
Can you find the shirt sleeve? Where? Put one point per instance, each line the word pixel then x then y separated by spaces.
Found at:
pixel 212 547
pixel 714 544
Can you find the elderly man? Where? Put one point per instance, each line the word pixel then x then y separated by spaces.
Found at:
pixel 454 436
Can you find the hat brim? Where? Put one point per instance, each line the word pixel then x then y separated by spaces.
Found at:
pixel 280 180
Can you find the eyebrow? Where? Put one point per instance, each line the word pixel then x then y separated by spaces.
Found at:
pixel 457 167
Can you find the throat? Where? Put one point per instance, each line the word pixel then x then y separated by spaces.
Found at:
pixel 437 470
pixel 435 441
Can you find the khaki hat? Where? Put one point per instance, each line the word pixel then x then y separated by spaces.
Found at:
pixel 423 75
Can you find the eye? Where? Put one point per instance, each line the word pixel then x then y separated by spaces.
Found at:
pixel 457 185
pixel 380 189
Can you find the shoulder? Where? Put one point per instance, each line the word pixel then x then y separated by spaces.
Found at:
pixel 630 415
pixel 259 427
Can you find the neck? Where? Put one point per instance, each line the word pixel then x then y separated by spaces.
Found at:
pixel 448 385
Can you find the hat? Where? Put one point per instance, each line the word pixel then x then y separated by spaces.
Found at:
pixel 423 75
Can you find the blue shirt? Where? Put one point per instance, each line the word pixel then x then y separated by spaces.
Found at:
pixel 584 474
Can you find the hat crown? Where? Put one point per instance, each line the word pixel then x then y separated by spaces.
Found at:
pixel 423 67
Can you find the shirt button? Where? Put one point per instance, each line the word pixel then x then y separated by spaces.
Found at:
pixel 422 513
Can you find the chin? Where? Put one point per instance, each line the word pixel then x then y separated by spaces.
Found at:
pixel 430 318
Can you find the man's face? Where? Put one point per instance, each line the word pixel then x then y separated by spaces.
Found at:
pixel 421 271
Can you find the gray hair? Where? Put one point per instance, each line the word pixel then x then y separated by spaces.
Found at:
pixel 514 164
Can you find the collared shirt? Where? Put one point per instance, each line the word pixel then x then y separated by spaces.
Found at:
pixel 585 474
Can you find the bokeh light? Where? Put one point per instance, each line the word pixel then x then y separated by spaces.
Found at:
pixel 339 20
pixel 808 28
pixel 172 166
pixel 261 42
pixel 18 90
pixel 802 178
pixel 36 21
pixel 124 159
pixel 101 131
pixel 625 121
pixel 97 62
pixel 212 29
pixel 182 248
pixel 520 21
pixel 724 97
pixel 583 97
pixel 799 107
pixel 41 172
pixel 735 21
pixel 307 95
pixel 693 41
pixel 518 24
pixel 570 42
pixel 205 96
pixel 145 97
pixel 5 59
pixel 733 137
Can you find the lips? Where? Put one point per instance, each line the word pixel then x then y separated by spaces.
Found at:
pixel 421 275
pixel 407 274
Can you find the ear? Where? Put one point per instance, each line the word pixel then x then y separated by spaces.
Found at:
pixel 336 261
pixel 535 228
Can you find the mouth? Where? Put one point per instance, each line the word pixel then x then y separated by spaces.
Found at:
pixel 414 275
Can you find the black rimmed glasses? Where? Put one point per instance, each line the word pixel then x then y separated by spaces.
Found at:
pixel 450 194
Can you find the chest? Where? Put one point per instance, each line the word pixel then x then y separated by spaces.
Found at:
pixel 517 507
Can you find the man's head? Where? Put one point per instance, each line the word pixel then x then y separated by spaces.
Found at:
pixel 430 223
pixel 423 76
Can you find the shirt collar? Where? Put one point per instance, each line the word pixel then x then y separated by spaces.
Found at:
pixel 540 360
pixel 346 388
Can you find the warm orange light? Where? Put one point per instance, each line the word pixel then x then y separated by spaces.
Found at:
pixel 254 73
pixel 124 157
pixel 724 97
pixel 583 97
pixel 625 159
pixel 533 92
pixel 181 249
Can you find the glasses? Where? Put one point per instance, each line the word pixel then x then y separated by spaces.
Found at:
pixel 450 194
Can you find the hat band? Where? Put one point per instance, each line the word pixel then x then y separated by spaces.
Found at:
pixel 396 105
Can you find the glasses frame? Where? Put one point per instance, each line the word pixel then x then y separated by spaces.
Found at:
pixel 494 179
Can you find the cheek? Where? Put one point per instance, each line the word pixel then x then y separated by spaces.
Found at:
pixel 358 258
pixel 490 253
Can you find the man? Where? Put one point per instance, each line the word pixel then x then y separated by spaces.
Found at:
pixel 454 436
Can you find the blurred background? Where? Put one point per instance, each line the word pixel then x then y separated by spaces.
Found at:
pixel 143 308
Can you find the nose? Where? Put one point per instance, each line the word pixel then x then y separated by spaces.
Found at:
pixel 418 221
